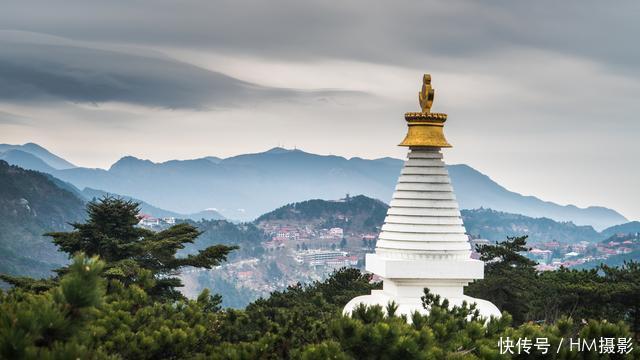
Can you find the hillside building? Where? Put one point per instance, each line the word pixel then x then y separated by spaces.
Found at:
pixel 540 255
pixel 336 232
pixel 330 258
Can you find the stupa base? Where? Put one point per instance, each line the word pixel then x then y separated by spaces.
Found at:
pixel 408 305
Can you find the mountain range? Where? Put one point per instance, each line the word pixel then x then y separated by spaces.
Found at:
pixel 245 186
pixel 33 203
pixel 41 153
pixel 145 208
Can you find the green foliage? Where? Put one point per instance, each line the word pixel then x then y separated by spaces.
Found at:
pixel 135 255
pixel 506 254
pixel 51 324
pixel 623 285
pixel 29 284
pixel 303 322
pixel 508 277
pixel 448 333
pixel 125 306
pixel 512 284
pixel 134 326
pixel 83 286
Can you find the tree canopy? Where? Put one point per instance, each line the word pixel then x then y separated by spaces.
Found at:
pixel 132 254
pixel 512 283
pixel 118 300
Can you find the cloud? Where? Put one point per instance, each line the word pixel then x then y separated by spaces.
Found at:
pixel 8 118
pixel 40 68
pixel 399 32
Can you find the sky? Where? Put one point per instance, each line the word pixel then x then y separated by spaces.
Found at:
pixel 541 96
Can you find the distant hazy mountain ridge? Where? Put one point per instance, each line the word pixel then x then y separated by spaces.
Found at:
pixel 145 208
pixel 33 203
pixel 26 160
pixel 245 186
pixel 475 190
pixel 43 154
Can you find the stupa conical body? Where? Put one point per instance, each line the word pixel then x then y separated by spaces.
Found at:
pixel 422 243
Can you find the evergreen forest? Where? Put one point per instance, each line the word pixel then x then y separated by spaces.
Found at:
pixel 119 298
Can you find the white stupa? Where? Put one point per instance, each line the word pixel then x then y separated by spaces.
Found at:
pixel 422 243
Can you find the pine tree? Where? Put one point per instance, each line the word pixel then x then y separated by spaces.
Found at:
pixel 133 255
pixel 509 277
pixel 51 324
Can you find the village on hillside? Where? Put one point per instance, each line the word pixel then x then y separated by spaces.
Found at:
pixel 303 251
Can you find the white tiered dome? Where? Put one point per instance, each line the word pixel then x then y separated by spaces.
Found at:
pixel 424 220
pixel 422 243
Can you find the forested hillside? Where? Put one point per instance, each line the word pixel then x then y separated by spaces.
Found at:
pixel 627 228
pixel 31 205
pixel 497 225
pixel 353 214
pixel 246 235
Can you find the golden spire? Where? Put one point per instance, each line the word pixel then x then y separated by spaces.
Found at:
pixel 425 128
pixel 425 97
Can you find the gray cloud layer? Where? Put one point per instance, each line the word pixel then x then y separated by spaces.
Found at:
pixel 393 32
pixel 40 68
pixel 10 118
pixel 400 33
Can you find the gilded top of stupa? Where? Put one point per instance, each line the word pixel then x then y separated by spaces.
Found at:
pixel 426 127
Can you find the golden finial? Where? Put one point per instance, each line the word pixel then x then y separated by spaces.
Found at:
pixel 425 97
pixel 425 128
